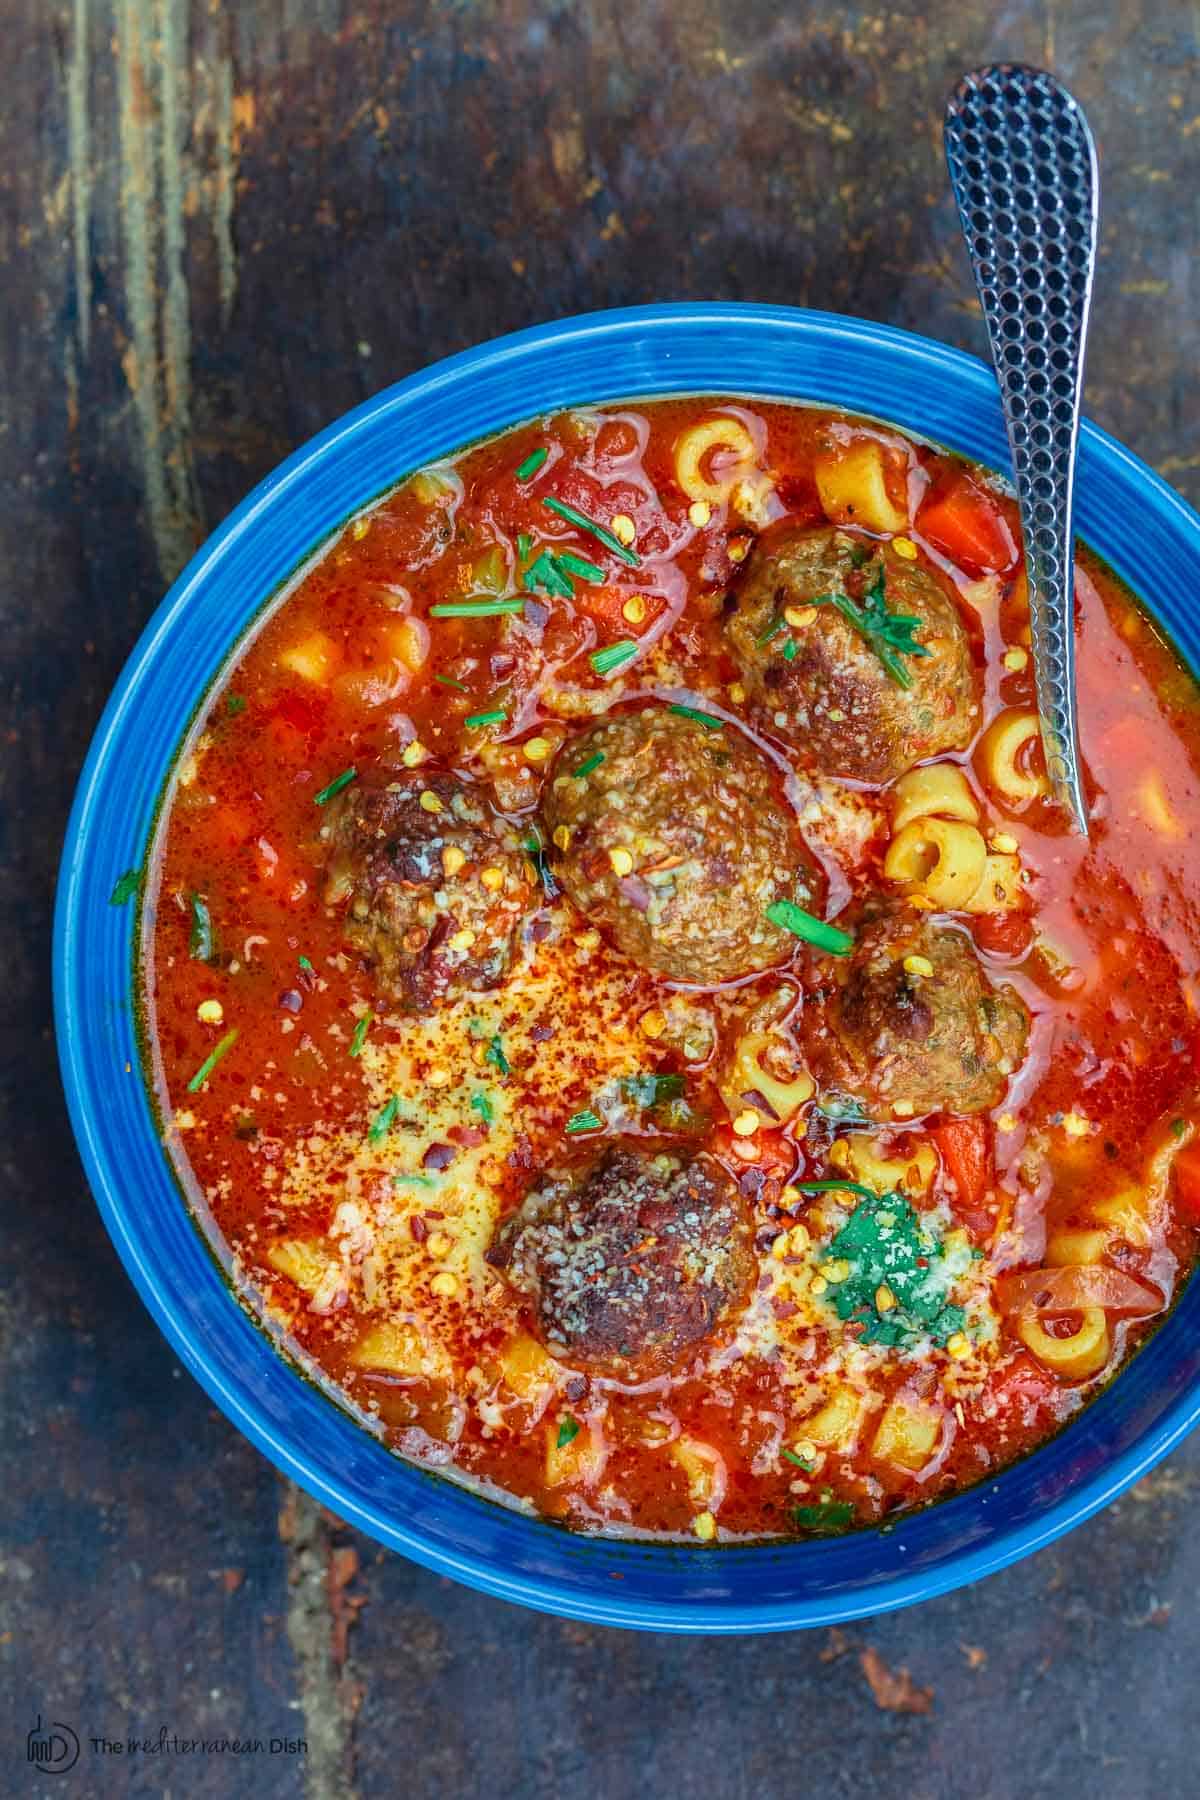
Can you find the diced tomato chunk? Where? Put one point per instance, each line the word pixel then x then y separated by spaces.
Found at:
pixel 1187 1182
pixel 967 526
pixel 1003 934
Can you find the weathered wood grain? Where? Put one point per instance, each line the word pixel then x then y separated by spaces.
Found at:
pixel 220 226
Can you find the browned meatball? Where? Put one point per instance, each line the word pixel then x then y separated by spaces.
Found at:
pixel 817 681
pixel 913 1025
pixel 632 1262
pixel 675 840
pixel 438 886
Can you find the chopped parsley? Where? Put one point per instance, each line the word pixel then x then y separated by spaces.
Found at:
pixel 892 1254
pixel 568 1431
pixel 828 1515
pixel 483 1106
pixel 474 609
pixel 335 786
pixel 584 1121
pixel 360 1035
pixel 702 718
pixel 494 1054
pixel 124 888
pixel 211 1060
pixel 652 1090
pixel 305 963
pixel 790 917
pixel 613 656
pixel 533 462
pixel 600 532
pixel 586 768
pixel 200 939
pixel 384 1119
pixel 235 704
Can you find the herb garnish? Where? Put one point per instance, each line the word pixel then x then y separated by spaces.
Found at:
pixel 124 888
pixel 360 1035
pixel 211 1060
pixel 600 532
pixel 891 1254
pixel 532 463
pixel 546 574
pixel 773 629
pixel 702 718
pixel 524 545
pixel 305 964
pixel 536 850
pixel 584 1121
pixel 613 656
pixel 200 940
pixel 335 786
pixel 651 1090
pixel 579 565
pixel 483 1106
pixel 790 917
pixel 586 768
pixel 494 1054
pixel 829 1515
pixel 413 1180
pixel 568 1431
pixel 474 609
pixel 497 717
pixel 449 681
pixel 801 1462
pixel 235 704
pixel 384 1119
pixel 889 634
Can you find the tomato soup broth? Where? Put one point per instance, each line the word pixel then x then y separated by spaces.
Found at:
pixel 366 1080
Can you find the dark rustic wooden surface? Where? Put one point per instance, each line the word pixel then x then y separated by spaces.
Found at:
pixel 220 225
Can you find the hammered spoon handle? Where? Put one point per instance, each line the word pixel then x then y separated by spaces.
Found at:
pixel 1023 167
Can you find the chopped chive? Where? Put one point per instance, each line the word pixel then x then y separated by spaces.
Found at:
pixel 384 1119
pixel 486 718
pixel 211 1060
pixel 335 786
pixel 547 575
pixel 789 650
pixel 305 964
pixel 613 656
pixel 200 942
pixel 360 1035
pixel 701 718
pixel 124 888
pixel 568 1431
pixel 579 565
pixel 801 1462
pixel 494 1054
pixel 793 918
pixel 831 1187
pixel 413 1180
pixel 449 681
pixel 474 609
pixel 773 629
pixel 537 855
pixel 532 463
pixel 524 545
pixel 235 704
pixel 483 1106
pixel 828 1516
pixel 585 768
pixel 601 532
pixel 584 1121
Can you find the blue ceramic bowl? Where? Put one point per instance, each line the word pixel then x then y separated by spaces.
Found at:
pixel 1131 517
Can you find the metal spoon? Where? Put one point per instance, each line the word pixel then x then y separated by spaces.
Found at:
pixel 1023 167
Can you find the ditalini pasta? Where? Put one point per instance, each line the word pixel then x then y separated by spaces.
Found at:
pixel 620 993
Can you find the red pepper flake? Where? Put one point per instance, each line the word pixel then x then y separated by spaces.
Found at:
pixel 467 1136
pixel 418 1228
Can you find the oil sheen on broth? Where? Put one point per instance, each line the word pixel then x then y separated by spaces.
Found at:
pixel 629 1004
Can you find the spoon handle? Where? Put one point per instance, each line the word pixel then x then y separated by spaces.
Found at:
pixel 1023 167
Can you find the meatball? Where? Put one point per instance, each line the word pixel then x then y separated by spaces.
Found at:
pixel 815 679
pixel 675 839
pixel 438 886
pixel 913 1022
pixel 631 1262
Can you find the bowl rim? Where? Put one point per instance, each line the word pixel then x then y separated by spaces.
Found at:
pixel 118 1208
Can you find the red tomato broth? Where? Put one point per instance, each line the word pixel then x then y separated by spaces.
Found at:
pixel 1110 976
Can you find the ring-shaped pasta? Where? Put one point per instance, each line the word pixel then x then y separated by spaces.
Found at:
pixel 1003 743
pixel 1084 1353
pixel 1076 1244
pixel 698 443
pixel 940 859
pixel 999 887
pixel 748 1074
pixel 938 788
